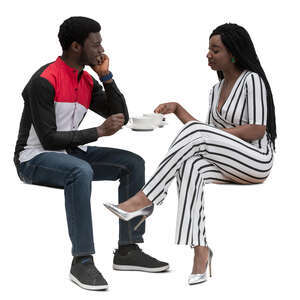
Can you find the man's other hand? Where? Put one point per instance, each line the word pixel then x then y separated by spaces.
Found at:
pixel 111 125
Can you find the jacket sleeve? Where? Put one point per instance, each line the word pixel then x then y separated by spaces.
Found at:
pixel 41 101
pixel 108 102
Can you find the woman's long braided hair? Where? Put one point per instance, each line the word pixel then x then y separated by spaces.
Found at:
pixel 238 42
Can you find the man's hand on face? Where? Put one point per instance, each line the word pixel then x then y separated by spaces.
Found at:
pixel 111 125
pixel 102 68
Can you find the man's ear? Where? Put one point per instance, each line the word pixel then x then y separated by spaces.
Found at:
pixel 76 47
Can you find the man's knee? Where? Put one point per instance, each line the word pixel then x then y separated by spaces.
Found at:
pixel 136 163
pixel 83 170
pixel 139 161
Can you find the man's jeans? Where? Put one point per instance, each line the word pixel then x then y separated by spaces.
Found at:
pixel 74 172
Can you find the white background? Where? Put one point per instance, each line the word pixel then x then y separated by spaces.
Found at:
pixel 158 53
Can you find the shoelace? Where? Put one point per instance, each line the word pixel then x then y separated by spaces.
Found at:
pixel 148 256
pixel 92 270
pixel 141 252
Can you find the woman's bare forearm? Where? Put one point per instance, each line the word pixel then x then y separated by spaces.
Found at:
pixel 248 132
pixel 183 115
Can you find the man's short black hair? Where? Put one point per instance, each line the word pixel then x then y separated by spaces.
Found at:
pixel 76 29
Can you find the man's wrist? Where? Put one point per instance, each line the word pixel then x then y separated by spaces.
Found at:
pixel 103 73
pixel 105 76
pixel 100 131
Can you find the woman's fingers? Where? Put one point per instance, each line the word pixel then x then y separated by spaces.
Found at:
pixel 161 109
pixel 157 109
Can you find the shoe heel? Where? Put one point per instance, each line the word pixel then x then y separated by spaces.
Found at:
pixel 140 222
pixel 209 261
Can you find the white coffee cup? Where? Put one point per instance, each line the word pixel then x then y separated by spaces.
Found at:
pixel 142 122
pixel 157 119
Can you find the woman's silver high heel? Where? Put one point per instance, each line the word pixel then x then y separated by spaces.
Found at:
pixel 198 278
pixel 126 216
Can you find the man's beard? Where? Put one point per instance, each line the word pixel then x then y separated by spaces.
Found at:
pixel 83 59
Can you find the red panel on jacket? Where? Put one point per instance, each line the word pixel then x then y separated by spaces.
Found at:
pixel 67 88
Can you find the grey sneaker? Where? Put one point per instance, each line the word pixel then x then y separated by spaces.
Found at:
pixel 136 260
pixel 85 274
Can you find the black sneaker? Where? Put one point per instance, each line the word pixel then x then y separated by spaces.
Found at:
pixel 136 260
pixel 85 274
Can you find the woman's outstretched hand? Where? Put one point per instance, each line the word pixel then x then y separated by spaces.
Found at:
pixel 166 108
pixel 177 109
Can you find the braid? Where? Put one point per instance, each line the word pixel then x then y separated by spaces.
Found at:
pixel 238 42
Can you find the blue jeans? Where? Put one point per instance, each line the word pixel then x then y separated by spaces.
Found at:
pixel 74 172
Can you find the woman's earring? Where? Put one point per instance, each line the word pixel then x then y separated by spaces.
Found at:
pixel 233 60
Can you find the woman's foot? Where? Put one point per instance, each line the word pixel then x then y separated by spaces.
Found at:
pixel 200 259
pixel 136 202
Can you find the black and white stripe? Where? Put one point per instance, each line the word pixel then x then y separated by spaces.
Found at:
pixel 202 154
pixel 246 104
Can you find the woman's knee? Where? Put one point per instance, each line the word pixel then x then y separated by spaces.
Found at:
pixel 192 126
pixel 194 162
pixel 197 124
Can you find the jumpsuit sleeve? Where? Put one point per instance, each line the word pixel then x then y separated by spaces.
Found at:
pixel 256 99
pixel 208 118
pixel 41 101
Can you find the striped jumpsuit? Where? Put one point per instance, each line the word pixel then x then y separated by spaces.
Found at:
pixel 204 153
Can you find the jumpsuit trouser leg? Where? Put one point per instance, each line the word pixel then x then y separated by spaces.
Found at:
pixel 202 154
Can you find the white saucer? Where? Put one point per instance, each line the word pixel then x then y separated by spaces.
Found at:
pixel 136 128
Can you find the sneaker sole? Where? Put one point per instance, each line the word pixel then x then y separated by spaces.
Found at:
pixel 136 268
pixel 86 286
